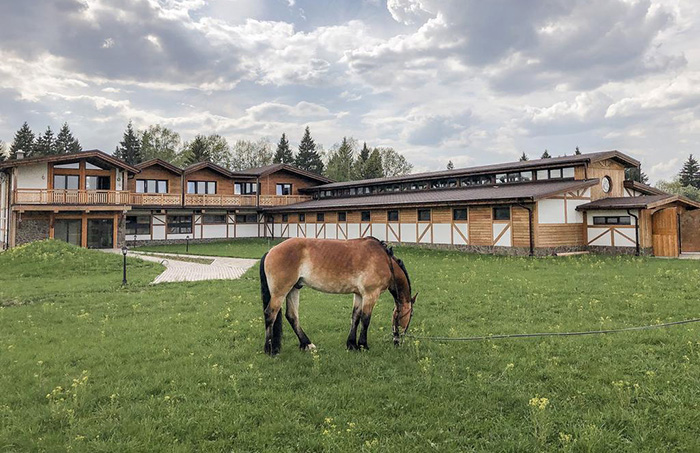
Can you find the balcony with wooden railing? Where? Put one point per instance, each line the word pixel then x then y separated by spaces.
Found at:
pixel 156 199
pixel 70 197
pixel 282 200
pixel 192 199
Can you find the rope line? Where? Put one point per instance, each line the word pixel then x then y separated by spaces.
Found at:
pixel 552 334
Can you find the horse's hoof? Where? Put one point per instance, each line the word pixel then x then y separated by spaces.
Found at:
pixel 352 346
pixel 309 347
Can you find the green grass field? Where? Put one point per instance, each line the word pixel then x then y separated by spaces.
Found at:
pixel 90 366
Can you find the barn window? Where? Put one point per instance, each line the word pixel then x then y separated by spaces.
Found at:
pixel 285 217
pixel 320 217
pixel 612 220
pixel 459 214
pixel 180 224
pixel 424 215
pixel 365 216
pixel 342 216
pixel 302 217
pixel 501 213
pixel 214 219
pixel 392 216
pixel 138 224
pixel 246 218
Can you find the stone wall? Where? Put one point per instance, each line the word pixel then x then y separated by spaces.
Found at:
pixel 31 226
pixel 121 232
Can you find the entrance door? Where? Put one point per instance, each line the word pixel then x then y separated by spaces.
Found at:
pixel 68 230
pixel 690 231
pixel 100 233
pixel 664 231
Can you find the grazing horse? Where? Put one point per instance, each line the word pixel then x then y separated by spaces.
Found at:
pixel 364 267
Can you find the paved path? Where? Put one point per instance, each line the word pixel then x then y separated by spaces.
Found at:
pixel 183 271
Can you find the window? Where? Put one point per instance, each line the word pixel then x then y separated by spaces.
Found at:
pixel 90 166
pixel 97 183
pixel 246 218
pixel 501 178
pixel 245 188
pixel 475 180
pixel 302 217
pixel 342 217
pixel 138 224
pixel 72 165
pixel 285 218
pixel 365 216
pixel 525 176
pixel 180 224
pixel 501 213
pixel 568 172
pixel 214 219
pixel 392 216
pixel 612 220
pixel 151 186
pixel 320 217
pixel 542 175
pixel 555 173
pixel 201 187
pixel 424 215
pixel 66 182
pixel 284 189
pixel 459 214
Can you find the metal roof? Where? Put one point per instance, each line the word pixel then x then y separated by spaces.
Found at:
pixel 510 166
pixel 162 163
pixel 89 154
pixel 516 193
pixel 268 169
pixel 644 202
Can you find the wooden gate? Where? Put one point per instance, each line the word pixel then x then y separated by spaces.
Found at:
pixel 664 231
pixel 690 231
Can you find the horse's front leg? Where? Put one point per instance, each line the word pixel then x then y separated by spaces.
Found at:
pixel 354 322
pixel 273 325
pixel 368 302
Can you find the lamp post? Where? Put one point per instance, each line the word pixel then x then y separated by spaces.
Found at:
pixel 187 244
pixel 124 250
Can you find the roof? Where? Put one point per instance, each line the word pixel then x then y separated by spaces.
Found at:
pixel 211 166
pixel 644 202
pixel 272 168
pixel 510 166
pixel 643 188
pixel 162 163
pixel 89 154
pixel 511 193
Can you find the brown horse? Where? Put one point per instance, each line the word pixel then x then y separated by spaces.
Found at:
pixel 364 267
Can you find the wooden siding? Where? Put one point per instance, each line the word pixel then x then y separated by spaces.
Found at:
pixel 665 232
pixel 408 215
pixel 480 226
pixel 690 231
pixel 268 184
pixel 158 172
pixel 610 168
pixel 521 227
pixel 442 215
pixel 224 185
pixel 379 216
pixel 557 235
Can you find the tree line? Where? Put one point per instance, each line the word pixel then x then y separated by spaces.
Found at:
pixel 343 162
pixel 686 182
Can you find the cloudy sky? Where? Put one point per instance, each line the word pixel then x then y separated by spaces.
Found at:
pixel 468 80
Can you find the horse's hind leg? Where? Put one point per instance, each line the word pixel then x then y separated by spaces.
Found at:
pixel 273 325
pixel 368 301
pixel 354 322
pixel 292 316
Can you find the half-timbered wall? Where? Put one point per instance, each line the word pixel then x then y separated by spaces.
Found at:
pixel 611 235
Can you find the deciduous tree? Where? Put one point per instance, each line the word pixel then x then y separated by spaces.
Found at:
pixel 393 163
pixel 159 142
pixel 251 154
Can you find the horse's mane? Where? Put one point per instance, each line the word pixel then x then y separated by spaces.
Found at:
pixel 390 252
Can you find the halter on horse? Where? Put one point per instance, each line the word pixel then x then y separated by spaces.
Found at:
pixel 364 267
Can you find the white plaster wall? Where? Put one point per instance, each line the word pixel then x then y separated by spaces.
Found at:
pixel 604 240
pixel 32 176
pixel 197 231
pixel 214 231
pixel 342 231
pixel 331 231
pixel 572 215
pixel 464 228
pixel 138 237
pixel 425 231
pixel 292 230
pixel 393 232
pixel 353 230
pixel 310 230
pixel 505 240
pixel 622 241
pixel 408 232
pixel 441 233
pixel 379 231
pixel 550 211
pixel 159 226
pixel 247 230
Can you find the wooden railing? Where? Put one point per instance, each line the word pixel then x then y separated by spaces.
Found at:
pixel 281 200
pixel 71 197
pixel 115 197
pixel 156 199
pixel 192 199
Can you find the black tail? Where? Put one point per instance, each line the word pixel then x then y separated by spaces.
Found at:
pixel 266 296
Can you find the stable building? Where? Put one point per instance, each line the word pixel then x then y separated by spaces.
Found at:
pixel 564 204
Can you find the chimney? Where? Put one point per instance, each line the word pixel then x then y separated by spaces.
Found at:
pixel 20 154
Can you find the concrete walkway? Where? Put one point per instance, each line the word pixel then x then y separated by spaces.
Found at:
pixel 183 271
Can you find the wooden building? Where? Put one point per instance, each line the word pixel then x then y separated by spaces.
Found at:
pixel 563 204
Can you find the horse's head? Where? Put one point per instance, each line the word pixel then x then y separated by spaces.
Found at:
pixel 403 312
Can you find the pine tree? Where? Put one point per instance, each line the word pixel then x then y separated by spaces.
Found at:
pixel 284 154
pixel 3 151
pixel 129 149
pixel 360 165
pixel 636 174
pixel 546 155
pixel 197 150
pixel 46 144
pixel 578 151
pixel 308 158
pixel 450 165
pixel 690 173
pixel 341 161
pixel 24 140
pixel 524 157
pixel 65 142
pixel 374 167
